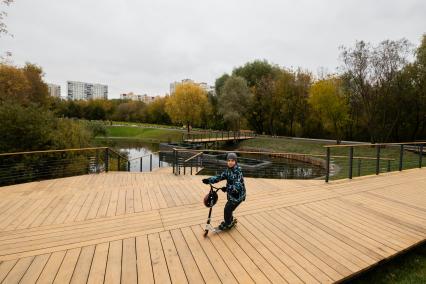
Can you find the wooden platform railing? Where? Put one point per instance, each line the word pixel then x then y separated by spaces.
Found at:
pixel 392 151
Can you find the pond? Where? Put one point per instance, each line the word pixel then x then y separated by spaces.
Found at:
pixel 135 150
pixel 266 167
pixel 253 166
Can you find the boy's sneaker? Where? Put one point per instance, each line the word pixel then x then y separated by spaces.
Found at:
pixel 222 226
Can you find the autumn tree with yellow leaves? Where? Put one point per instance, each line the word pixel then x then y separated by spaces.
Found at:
pixel 187 104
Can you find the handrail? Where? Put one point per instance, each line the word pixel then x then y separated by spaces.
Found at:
pixel 117 154
pixel 280 153
pixel 51 151
pixel 143 156
pixel 196 155
pixel 373 144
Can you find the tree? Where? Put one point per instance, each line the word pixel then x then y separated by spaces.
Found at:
pixel 220 82
pixel 156 111
pixel 24 85
pixel 187 104
pixel 371 75
pixel 329 103
pixel 234 101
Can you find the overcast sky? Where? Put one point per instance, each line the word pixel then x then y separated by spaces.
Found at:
pixel 142 46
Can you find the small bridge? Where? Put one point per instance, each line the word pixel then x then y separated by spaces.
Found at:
pixel 148 227
pixel 204 137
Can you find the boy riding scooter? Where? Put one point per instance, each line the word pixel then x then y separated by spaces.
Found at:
pixel 235 189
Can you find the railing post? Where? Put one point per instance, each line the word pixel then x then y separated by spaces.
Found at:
pixel 106 159
pixel 377 159
pixel 420 155
pixel 389 165
pixel 150 163
pixel 141 165
pixel 118 163
pixel 401 156
pixel 327 169
pixel 97 160
pixel 184 168
pixel 159 160
pixel 174 161
pixel 128 166
pixel 351 156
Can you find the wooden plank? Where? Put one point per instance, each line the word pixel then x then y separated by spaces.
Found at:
pixel 67 267
pixel 51 268
pixel 34 270
pixel 5 268
pixel 97 270
pixel 113 269
pixel 192 272
pixel 174 265
pixel 203 263
pixel 18 270
pixel 216 260
pixel 128 268
pixel 143 257
pixel 83 265
pixel 158 261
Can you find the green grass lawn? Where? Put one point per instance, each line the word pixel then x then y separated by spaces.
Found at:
pixel 317 148
pixel 144 134
pixel 408 268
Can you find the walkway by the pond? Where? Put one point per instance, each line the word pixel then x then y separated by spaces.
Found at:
pixel 146 227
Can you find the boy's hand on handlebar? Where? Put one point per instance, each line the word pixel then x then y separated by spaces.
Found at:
pixel 206 181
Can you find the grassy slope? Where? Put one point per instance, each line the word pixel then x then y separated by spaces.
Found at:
pixel 407 268
pixel 151 134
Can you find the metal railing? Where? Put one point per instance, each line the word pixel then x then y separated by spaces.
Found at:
pixel 254 164
pixel 138 161
pixel 20 167
pixel 378 158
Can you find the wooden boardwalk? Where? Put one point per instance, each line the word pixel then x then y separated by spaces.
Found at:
pixel 147 227
pixel 217 139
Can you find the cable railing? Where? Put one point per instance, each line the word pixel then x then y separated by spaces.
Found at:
pixel 377 158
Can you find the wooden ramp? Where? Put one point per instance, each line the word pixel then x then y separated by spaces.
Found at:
pixel 147 227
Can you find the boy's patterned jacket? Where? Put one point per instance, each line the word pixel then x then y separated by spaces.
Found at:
pixel 235 189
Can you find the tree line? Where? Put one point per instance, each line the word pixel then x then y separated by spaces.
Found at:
pixel 377 95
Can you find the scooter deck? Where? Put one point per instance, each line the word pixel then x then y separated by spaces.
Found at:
pixel 217 230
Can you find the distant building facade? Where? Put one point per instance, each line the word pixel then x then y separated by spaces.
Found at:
pixel 134 97
pixel 86 91
pixel 54 90
pixel 203 85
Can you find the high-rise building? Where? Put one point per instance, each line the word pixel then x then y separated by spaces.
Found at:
pixel 142 98
pixel 203 85
pixel 86 91
pixel 54 90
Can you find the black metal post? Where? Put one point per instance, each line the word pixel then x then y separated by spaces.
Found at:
pixel 141 166
pixel 128 166
pixel 118 163
pixel 327 171
pixel 150 163
pixel 159 159
pixel 377 159
pixel 401 156
pixel 174 161
pixel 389 165
pixel 351 157
pixel 106 159
pixel 97 160
pixel 420 155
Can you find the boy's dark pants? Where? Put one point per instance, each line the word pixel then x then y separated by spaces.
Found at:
pixel 229 208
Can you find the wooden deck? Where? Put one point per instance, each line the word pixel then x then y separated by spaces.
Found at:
pixel 147 227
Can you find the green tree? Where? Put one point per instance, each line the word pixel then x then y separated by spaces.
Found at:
pixel 187 104
pixel 234 101
pixel 329 103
